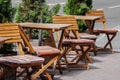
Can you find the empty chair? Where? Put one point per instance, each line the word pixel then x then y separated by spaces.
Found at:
pixel 17 35
pixel 47 52
pixel 72 32
pixel 110 33
pixel 71 44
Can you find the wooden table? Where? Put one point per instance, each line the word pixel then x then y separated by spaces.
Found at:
pixel 50 27
pixel 11 63
pixel 90 21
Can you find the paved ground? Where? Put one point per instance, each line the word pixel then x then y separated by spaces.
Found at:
pixel 105 67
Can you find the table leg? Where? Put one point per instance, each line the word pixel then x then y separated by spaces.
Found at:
pixel 61 39
pixel 90 25
pixel 52 38
pixel 76 34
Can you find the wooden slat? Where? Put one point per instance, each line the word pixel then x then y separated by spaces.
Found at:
pixel 14 40
pixel 8 31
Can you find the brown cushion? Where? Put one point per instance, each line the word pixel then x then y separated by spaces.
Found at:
pixel 81 41
pixel 46 50
pixel 84 36
pixel 109 31
pixel 66 43
pixel 87 36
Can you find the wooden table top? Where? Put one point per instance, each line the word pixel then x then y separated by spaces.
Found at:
pixel 84 17
pixel 21 60
pixel 45 26
pixel 88 17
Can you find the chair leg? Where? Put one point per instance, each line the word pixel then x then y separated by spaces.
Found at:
pixel 95 50
pixel 64 56
pixel 44 68
pixel 60 68
pixel 85 52
pixel 109 41
pixel 48 76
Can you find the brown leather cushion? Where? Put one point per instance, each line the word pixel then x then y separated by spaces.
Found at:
pixel 84 36
pixel 82 41
pixel 46 51
pixel 87 36
pixel 66 43
pixel 108 31
pixel 78 41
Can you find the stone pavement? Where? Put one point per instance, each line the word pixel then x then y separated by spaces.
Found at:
pixel 106 66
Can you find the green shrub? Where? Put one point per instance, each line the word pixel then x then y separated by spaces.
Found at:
pixel 6 15
pixel 6 11
pixel 78 7
pixel 35 11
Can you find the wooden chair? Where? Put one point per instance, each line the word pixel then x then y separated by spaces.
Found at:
pixel 70 44
pixel 110 33
pixel 47 52
pixel 17 35
pixel 11 63
pixel 74 28
pixel 72 32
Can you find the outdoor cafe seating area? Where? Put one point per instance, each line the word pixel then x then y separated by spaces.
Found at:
pixel 72 49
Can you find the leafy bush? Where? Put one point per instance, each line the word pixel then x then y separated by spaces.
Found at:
pixel 6 11
pixel 35 11
pixel 6 15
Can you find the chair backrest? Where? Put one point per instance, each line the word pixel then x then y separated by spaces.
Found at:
pixel 96 12
pixel 66 19
pixel 11 30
